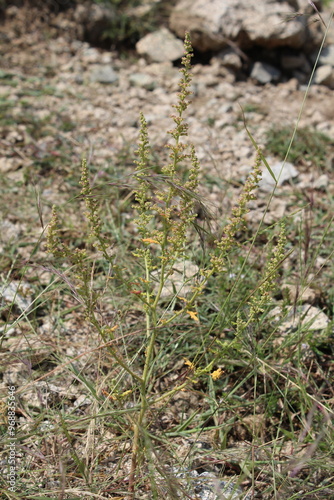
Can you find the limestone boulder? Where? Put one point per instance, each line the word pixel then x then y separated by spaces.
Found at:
pixel 215 24
pixel 160 46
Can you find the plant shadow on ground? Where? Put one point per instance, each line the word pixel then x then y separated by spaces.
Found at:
pixel 229 386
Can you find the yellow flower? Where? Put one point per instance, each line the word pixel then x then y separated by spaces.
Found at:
pixel 193 315
pixel 217 374
pixel 149 240
pixel 190 364
pixel 182 298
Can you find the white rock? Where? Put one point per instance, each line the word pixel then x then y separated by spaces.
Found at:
pixel 143 80
pixel 283 172
pixel 321 182
pixel 264 73
pixel 18 293
pixel 161 46
pixel 9 164
pixel 327 56
pixel 246 22
pixel 324 75
pixel 181 281
pixel 306 316
pixel 230 59
pixel 300 294
pixel 9 231
pixel 103 74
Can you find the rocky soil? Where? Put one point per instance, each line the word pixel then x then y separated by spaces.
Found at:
pixel 66 97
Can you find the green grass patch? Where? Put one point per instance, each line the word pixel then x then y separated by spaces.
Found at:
pixel 309 145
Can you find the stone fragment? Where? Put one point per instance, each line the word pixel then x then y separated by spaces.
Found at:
pixel 327 56
pixel 324 75
pixel 160 46
pixel 230 59
pixel 90 55
pixel 181 281
pixel 30 347
pixel 103 74
pixel 209 487
pixel 9 164
pixel 9 231
pixel 18 293
pixel 264 73
pixel 299 294
pixel 321 182
pixel 276 211
pixel 306 316
pixel 143 80
pixel 283 172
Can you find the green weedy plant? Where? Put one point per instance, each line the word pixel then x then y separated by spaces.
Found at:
pixel 165 205
pixel 125 27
